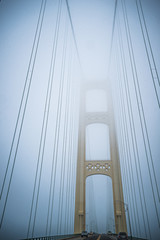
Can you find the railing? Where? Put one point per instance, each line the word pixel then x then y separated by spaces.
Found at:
pixel 129 237
pixel 70 236
pixel 136 238
pixel 53 237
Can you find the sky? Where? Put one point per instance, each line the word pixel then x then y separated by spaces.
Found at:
pixel 99 58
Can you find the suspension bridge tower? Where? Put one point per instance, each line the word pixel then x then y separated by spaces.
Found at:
pixel 109 167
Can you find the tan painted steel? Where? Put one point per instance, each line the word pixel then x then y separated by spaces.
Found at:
pixel 99 237
pixel 110 167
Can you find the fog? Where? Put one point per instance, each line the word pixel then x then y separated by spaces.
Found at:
pixel 42 66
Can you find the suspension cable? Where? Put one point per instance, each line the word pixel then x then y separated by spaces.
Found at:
pixel 44 127
pixel 138 93
pixel 150 48
pixel 124 155
pixel 23 94
pixel 129 162
pixel 59 113
pixel 127 148
pixel 62 174
pixel 25 106
pixel 73 32
pixel 69 136
pixel 129 108
pixel 112 35
pixel 149 41
pixel 52 71
pixel 72 156
pixel 132 128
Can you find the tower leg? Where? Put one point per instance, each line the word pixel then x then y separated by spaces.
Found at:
pixel 118 201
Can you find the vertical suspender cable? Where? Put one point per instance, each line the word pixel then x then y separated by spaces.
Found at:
pixel 137 91
pixel 124 155
pixel 46 124
pixel 52 70
pixel 63 164
pixel 68 177
pixel 130 169
pixel 69 135
pixel 59 113
pixel 133 134
pixel 125 146
pixel 112 35
pixel 43 133
pixel 141 104
pixel 70 156
pixel 123 117
pixel 74 150
pixel 119 127
pixel 23 94
pixel 73 33
pixel 128 107
pixel 149 42
pixel 23 115
pixel 150 48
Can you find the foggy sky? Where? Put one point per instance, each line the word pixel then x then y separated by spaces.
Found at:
pixel 92 22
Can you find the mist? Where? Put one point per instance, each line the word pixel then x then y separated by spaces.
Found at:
pixel 44 60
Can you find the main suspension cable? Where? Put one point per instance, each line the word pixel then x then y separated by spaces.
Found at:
pixel 52 71
pixel 133 133
pixel 127 147
pixel 45 124
pixel 64 145
pixel 112 35
pixel 40 22
pixel 23 93
pixel 57 133
pixel 73 32
pixel 138 93
pixel 147 52
pixel 69 136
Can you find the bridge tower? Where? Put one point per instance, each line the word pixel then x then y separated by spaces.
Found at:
pixel 108 167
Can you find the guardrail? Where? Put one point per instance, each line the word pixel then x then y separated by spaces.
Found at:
pixel 135 238
pixel 129 237
pixel 53 237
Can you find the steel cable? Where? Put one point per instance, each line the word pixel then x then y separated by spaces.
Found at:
pixel 125 145
pixel 64 145
pixel 133 134
pixel 127 150
pixel 69 136
pixel 73 33
pixel 57 133
pixel 138 93
pixel 44 125
pixel 52 71
pixel 23 115
pixel 150 48
pixel 23 95
pixel 72 149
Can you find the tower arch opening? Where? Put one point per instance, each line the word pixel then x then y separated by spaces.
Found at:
pixel 99 204
pixel 97 143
